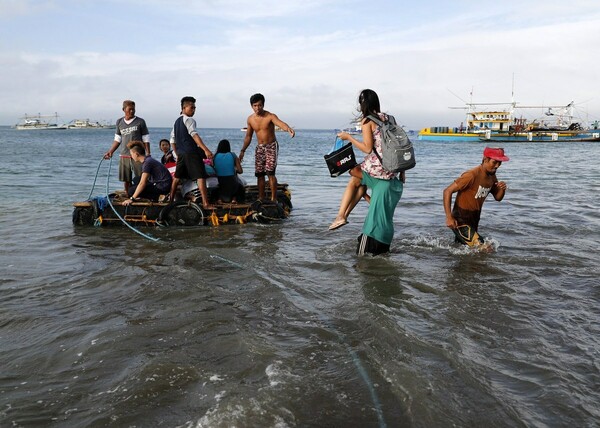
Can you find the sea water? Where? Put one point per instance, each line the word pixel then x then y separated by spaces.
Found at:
pixel 281 325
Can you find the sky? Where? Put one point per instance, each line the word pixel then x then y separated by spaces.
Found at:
pixel 310 58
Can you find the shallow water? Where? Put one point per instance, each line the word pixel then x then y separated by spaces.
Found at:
pixel 282 325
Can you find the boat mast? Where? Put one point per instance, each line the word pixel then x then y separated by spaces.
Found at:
pixel 513 104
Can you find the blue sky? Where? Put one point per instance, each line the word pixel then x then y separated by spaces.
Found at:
pixel 310 58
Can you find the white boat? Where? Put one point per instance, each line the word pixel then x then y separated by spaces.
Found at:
pixel 356 129
pixel 39 122
pixel 89 124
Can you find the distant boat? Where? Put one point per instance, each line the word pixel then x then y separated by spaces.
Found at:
pixel 487 122
pixel 89 124
pixel 356 129
pixel 39 122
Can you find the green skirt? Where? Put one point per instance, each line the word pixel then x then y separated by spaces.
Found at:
pixel 385 195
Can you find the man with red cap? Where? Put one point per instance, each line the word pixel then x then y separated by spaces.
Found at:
pixel 471 189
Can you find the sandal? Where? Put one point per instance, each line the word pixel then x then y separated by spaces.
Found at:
pixel 337 224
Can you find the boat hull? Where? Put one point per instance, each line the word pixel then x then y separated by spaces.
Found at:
pixel 448 137
pixel 39 128
pixel 544 137
pixel 506 137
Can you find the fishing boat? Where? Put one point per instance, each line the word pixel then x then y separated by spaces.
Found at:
pixel 497 122
pixel 356 129
pixel 110 210
pixel 89 124
pixel 39 122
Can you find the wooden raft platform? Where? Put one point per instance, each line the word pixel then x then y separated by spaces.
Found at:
pixel 98 210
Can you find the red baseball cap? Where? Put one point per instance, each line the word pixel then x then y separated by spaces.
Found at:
pixel 496 153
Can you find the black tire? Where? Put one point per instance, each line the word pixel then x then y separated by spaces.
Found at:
pixel 83 216
pixel 182 213
pixel 267 212
pixel 284 200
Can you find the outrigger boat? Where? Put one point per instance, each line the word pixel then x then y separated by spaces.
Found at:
pixel 38 122
pixel 89 124
pixel 110 211
pixel 489 122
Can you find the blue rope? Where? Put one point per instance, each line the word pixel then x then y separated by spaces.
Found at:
pixel 360 368
pixel 95 178
pixel 117 214
pixel 365 376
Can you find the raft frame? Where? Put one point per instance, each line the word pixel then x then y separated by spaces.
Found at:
pixel 182 213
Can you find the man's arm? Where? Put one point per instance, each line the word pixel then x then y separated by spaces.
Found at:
pixel 146 137
pixel 448 192
pixel 139 189
pixel 200 144
pixel 112 149
pixel 238 165
pixel 498 190
pixel 247 140
pixel 282 125
pixel 172 143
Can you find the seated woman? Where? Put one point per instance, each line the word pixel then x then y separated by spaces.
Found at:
pixel 165 148
pixel 155 180
pixel 228 165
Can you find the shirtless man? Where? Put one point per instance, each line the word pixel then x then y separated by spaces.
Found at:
pixel 263 123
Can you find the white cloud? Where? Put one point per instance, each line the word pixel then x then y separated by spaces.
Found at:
pixel 310 74
pixel 238 10
pixel 14 8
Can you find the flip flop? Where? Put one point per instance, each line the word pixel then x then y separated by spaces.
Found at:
pixel 337 224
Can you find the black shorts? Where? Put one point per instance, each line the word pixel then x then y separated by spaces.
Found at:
pixel 190 166
pixel 467 235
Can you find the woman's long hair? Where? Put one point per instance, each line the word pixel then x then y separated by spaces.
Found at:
pixel 368 103
pixel 224 146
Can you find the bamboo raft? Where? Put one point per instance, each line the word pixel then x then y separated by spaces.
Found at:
pixel 110 211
